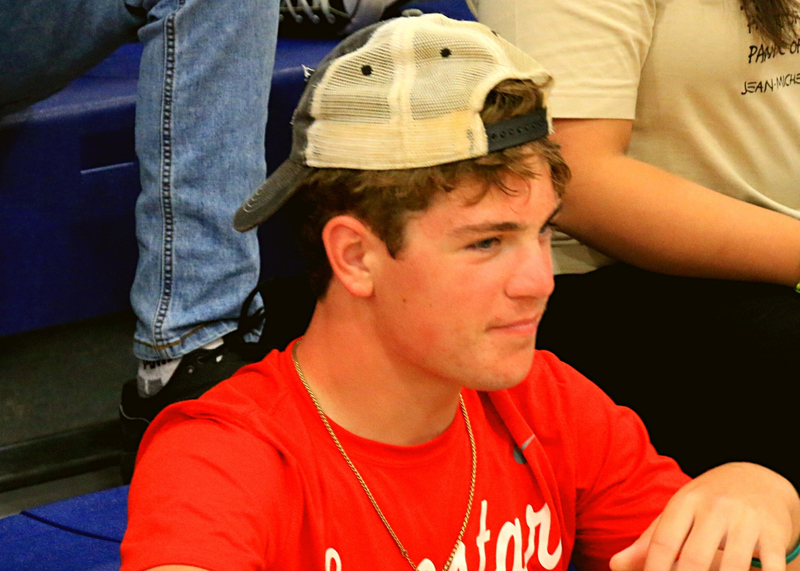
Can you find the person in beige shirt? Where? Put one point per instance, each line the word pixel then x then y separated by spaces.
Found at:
pixel 681 241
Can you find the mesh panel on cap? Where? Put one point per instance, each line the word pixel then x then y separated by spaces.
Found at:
pixel 357 90
pixel 464 63
pixel 411 96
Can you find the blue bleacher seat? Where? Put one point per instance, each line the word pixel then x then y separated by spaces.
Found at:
pixel 80 534
pixel 29 544
pixel 68 184
pixel 101 515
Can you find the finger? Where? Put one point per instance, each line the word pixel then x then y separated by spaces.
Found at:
pixel 669 536
pixel 632 557
pixel 740 543
pixel 772 554
pixel 703 542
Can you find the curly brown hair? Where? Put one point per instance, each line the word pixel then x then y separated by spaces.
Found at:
pixel 384 199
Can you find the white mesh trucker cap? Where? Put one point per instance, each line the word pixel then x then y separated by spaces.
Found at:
pixel 404 93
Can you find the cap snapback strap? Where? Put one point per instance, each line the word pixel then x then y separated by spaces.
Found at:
pixel 517 130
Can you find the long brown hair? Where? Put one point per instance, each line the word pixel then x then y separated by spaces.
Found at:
pixel 776 20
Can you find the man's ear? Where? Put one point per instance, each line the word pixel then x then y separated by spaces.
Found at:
pixel 351 247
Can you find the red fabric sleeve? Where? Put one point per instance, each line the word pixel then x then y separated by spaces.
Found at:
pixel 621 483
pixel 173 519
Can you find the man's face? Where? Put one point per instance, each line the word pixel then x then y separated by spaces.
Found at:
pixel 462 301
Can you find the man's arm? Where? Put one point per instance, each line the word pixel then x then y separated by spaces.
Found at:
pixel 722 518
pixel 645 216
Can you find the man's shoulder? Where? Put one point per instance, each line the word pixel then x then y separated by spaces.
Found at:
pixel 258 399
pixel 261 385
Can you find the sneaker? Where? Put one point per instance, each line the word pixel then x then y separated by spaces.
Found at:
pixel 288 305
pixel 330 19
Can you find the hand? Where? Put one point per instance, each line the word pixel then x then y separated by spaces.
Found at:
pixel 722 519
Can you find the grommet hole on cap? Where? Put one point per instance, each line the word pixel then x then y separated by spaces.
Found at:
pixel 366 69
pixel 446 52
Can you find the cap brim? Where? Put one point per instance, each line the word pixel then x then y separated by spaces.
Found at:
pixel 271 195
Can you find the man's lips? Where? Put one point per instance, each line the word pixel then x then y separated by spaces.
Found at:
pixel 525 326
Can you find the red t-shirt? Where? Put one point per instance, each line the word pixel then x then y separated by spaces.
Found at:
pixel 247 477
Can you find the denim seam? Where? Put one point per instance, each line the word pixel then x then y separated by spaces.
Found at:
pixel 166 173
pixel 174 343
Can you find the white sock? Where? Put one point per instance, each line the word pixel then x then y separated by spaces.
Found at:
pixel 153 376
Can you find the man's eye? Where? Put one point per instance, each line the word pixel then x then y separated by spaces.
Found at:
pixel 486 244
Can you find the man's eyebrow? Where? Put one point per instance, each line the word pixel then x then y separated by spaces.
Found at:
pixel 500 226
pixel 488 227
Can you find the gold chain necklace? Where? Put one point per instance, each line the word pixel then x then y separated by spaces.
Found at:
pixel 364 484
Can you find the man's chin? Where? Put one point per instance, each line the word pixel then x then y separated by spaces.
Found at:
pixel 522 364
pixel 509 377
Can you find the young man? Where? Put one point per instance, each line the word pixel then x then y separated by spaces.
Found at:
pixel 414 424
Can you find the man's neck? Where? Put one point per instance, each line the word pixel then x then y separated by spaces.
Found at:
pixel 364 388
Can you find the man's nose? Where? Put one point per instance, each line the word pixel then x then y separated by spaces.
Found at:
pixel 532 274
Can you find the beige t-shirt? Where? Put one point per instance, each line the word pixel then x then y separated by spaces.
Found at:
pixel 712 101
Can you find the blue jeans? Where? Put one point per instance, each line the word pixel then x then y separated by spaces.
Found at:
pixel 201 113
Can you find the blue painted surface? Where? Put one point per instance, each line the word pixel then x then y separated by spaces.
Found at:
pixel 30 545
pixel 101 515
